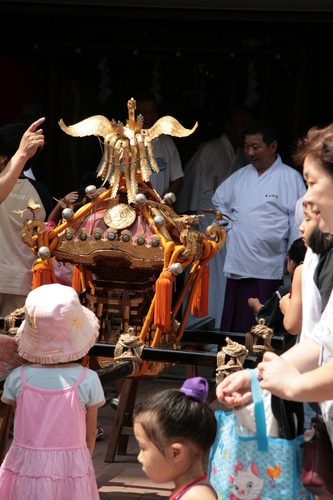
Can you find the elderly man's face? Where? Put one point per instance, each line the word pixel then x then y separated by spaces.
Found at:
pixel 259 154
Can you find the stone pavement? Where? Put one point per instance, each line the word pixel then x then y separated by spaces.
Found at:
pixel 124 479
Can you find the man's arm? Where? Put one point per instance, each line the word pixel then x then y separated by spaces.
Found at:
pixel 176 185
pixel 55 215
pixel 188 201
pixel 31 140
pixel 174 166
pixel 222 200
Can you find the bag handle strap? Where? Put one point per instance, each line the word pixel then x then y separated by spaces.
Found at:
pixel 259 410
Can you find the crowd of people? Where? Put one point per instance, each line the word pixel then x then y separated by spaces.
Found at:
pixel 240 174
pixel 304 372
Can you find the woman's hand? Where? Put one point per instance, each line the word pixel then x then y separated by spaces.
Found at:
pixel 235 390
pixel 278 376
pixel 284 304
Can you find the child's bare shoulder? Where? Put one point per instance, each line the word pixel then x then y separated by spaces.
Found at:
pixel 202 491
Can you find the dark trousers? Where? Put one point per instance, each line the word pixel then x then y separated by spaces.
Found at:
pixel 237 315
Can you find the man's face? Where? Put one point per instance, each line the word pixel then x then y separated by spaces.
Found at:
pixel 259 154
pixel 235 129
pixel 148 110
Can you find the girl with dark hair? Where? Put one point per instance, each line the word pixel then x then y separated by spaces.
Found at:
pixel 291 305
pixel 174 428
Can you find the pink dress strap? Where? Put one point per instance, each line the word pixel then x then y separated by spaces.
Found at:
pixel 22 376
pixel 78 382
pixel 45 419
pixel 81 377
pixel 199 481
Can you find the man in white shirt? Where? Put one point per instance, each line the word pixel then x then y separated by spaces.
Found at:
pixel 260 199
pixel 212 163
pixel 170 177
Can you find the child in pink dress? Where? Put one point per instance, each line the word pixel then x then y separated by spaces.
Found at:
pixel 56 401
pixel 173 429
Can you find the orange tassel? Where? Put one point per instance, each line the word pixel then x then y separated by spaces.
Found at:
pixel 195 308
pixel 200 300
pixel 163 301
pixel 204 291
pixel 76 283
pixel 85 361
pixel 82 276
pixel 90 280
pixel 43 274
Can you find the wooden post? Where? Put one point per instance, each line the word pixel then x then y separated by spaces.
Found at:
pixel 122 426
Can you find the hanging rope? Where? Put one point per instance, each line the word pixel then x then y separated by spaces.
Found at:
pixel 236 352
pixel 129 348
pixel 259 333
pixel 174 326
pixel 199 308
